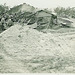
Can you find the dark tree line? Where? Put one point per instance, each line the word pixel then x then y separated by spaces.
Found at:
pixel 65 12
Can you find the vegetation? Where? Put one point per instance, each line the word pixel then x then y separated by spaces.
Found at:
pixel 65 12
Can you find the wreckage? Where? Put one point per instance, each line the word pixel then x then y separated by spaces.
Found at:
pixel 44 19
pixel 65 22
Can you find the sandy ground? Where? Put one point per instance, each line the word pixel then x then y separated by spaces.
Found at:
pixel 23 49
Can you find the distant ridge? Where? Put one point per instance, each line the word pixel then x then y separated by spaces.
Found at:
pixel 23 7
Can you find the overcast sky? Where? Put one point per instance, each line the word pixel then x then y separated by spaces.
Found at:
pixel 41 3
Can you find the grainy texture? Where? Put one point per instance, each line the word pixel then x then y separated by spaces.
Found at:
pixel 23 49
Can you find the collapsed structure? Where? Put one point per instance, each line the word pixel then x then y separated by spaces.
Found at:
pixel 26 14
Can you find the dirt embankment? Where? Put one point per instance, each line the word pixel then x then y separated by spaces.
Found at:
pixel 27 50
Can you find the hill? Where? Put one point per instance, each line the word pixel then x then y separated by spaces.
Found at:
pixel 23 49
pixel 21 8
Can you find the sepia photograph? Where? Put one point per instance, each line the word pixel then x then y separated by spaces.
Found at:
pixel 37 36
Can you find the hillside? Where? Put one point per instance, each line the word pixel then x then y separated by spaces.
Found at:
pixel 23 7
pixel 23 49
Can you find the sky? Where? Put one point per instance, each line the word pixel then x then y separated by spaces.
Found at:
pixel 41 3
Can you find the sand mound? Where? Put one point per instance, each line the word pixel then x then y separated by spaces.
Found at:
pixel 35 51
